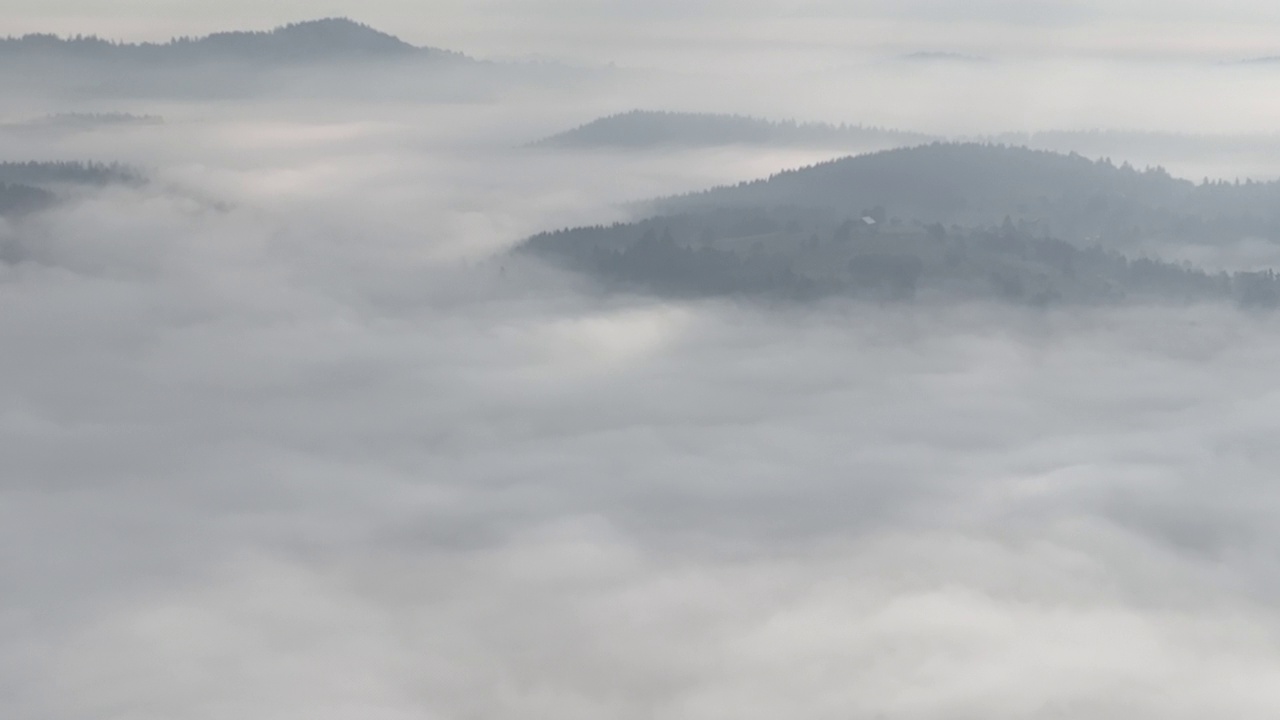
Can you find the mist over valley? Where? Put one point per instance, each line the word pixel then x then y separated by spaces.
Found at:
pixel 716 364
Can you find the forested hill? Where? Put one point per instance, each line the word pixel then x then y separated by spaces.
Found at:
pixel 1066 196
pixel 939 221
pixel 648 129
pixel 793 255
pixel 310 41
pixel 27 187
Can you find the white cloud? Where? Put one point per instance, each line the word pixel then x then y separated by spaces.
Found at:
pixel 279 443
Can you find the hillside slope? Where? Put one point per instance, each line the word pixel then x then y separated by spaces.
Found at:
pixel 1067 196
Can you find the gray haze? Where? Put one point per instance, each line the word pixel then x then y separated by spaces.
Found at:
pixel 288 434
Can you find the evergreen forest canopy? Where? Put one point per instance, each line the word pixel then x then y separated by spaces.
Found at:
pixel 27 187
pixel 976 185
pixel 939 220
pixel 310 41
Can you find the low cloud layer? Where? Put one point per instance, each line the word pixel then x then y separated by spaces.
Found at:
pixel 287 435
pixel 285 439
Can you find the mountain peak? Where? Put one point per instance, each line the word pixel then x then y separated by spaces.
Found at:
pixel 322 37
pixel 342 30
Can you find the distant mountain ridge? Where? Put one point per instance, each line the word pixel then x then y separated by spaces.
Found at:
pixel 308 41
pixel 637 129
pixel 650 129
pixel 946 221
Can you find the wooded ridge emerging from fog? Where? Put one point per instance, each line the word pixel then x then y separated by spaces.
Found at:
pixel 640 129
pixel 313 40
pixel 27 187
pixel 955 220
pixel 647 128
